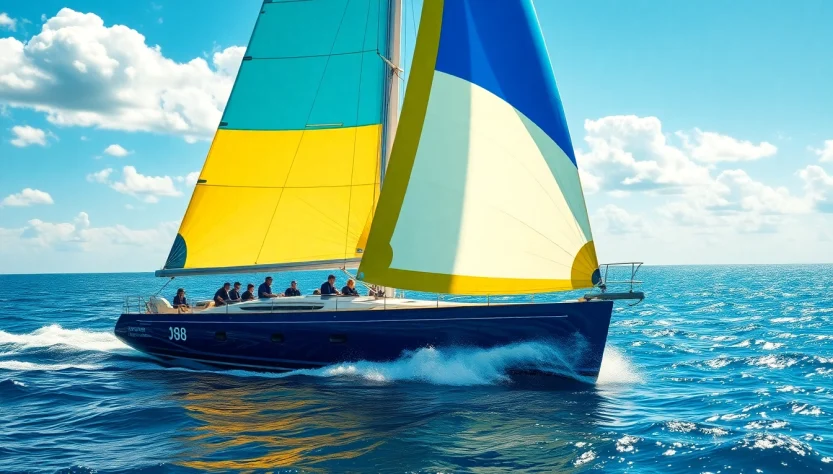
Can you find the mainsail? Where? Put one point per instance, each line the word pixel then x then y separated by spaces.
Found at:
pixel 293 173
pixel 482 194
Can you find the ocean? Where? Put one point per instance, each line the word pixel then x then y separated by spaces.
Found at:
pixel 722 369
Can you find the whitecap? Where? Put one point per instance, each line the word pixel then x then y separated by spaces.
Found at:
pixel 56 336
pixel 626 443
pixel 585 458
pixel 20 366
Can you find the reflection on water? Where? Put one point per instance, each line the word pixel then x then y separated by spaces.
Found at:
pixel 349 424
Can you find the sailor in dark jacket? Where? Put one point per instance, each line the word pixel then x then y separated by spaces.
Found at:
pixel 292 290
pixel 350 289
pixel 328 287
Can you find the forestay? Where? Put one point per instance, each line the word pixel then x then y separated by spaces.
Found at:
pixel 482 193
pixel 293 172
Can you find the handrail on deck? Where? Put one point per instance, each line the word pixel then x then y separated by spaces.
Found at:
pixel 604 269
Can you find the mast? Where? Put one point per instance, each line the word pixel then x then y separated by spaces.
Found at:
pixel 392 116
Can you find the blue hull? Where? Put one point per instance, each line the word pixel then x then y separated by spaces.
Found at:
pixel 305 340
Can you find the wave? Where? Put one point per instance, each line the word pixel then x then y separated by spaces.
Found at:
pixel 56 336
pixel 21 366
pixel 457 366
pixel 472 366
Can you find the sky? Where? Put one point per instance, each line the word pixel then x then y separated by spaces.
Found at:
pixel 703 129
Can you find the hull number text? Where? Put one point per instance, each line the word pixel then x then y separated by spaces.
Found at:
pixel 177 334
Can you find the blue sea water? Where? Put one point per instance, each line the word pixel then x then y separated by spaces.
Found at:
pixel 723 369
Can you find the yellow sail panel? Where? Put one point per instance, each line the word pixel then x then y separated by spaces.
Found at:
pixel 282 197
pixel 482 194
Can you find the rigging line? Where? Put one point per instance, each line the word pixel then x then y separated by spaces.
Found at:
pixel 355 136
pixel 163 286
pixel 300 140
pixel 413 16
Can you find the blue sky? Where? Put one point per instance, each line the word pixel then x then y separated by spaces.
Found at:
pixel 700 126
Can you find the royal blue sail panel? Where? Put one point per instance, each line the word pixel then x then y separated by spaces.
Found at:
pixel 498 45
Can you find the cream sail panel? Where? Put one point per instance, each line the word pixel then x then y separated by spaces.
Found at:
pixel 495 210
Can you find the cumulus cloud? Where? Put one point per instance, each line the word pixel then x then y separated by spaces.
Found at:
pixel 711 147
pixel 102 176
pixel 190 179
pixel 116 150
pixel 27 197
pixel 7 22
pixel 81 72
pixel 629 154
pixel 819 187
pixel 632 153
pixel 825 153
pixel 80 235
pixel 143 187
pixel 26 135
pixel 616 220
pixel 147 188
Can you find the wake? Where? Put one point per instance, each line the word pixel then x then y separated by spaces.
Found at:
pixel 56 336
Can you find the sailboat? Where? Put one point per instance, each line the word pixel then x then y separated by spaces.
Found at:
pixel 472 190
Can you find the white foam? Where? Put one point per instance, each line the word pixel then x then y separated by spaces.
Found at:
pixel 21 366
pixel 617 369
pixel 585 458
pixel 455 366
pixel 54 336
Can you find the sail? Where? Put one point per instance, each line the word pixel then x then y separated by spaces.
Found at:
pixel 482 194
pixel 293 173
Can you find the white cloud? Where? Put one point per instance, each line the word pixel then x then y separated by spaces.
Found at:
pixel 81 72
pixel 711 147
pixel 27 197
pixel 78 245
pixel 616 220
pixel 147 188
pixel 116 150
pixel 190 179
pixel 757 197
pixel 102 176
pixel 825 153
pixel 631 153
pixel 7 22
pixel 736 202
pixel 83 138
pixel 819 187
pixel 26 135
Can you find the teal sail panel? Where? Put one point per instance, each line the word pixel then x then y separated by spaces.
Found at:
pixel 312 63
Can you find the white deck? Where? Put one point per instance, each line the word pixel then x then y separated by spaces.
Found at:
pixel 305 303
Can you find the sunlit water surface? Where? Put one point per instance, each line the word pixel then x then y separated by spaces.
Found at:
pixel 721 369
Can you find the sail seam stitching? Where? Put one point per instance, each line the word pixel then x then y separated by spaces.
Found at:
pixel 346 53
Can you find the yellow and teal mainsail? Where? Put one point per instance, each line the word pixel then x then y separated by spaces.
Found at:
pixel 482 194
pixel 293 173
